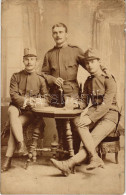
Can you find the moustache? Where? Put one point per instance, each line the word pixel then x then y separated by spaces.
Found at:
pixel 58 38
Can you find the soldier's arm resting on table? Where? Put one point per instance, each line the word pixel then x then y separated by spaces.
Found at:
pixel 29 102
pixel 84 121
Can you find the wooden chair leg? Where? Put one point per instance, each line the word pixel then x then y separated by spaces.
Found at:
pixel 34 156
pixel 116 157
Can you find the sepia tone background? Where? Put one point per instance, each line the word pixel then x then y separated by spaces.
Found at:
pixel 91 23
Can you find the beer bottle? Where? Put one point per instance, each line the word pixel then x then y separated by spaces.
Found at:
pixel 80 90
pixel 61 102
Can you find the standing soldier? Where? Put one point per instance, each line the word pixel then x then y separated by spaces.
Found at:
pixel 24 87
pixel 60 69
pixel 101 118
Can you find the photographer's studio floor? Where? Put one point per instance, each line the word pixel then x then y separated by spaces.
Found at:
pixel 44 178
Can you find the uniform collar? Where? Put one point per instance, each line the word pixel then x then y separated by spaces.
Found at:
pixel 29 73
pixel 63 46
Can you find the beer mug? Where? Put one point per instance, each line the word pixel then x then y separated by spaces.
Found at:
pixel 38 103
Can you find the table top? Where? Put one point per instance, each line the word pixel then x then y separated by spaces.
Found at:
pixel 53 112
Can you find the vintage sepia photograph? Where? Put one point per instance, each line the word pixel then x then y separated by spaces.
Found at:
pixel 62 97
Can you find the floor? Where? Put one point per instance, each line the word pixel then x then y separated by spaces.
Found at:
pixel 44 178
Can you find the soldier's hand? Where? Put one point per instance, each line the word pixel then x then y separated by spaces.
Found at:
pixel 31 102
pixel 84 112
pixel 59 82
pixel 84 121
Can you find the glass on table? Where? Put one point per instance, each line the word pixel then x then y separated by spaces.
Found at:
pixel 40 103
pixel 70 103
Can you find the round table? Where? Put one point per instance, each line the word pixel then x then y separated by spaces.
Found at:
pixel 61 113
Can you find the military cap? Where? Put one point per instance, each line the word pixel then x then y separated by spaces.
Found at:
pixel 91 54
pixel 30 52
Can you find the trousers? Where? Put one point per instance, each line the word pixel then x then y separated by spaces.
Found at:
pixel 18 119
pixel 99 131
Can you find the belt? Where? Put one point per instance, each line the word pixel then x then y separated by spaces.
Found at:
pixel 96 103
pixel 96 100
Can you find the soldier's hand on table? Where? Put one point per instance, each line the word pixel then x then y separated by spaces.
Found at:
pixel 59 82
pixel 84 112
pixel 84 121
pixel 31 102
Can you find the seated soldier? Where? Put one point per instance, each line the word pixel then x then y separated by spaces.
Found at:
pixel 24 87
pixel 101 117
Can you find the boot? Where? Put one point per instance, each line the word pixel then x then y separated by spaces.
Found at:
pixel 95 162
pixel 7 164
pixel 22 149
pixel 66 167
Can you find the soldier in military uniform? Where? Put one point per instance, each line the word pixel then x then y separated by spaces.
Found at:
pixel 101 117
pixel 60 69
pixel 25 86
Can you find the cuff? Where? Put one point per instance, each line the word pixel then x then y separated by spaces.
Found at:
pixel 25 103
pixel 92 118
pixel 82 105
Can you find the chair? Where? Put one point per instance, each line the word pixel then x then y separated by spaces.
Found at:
pixel 111 144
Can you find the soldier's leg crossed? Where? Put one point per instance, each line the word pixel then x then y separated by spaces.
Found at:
pixel 11 145
pixel 15 123
pixel 15 136
pixel 23 119
pixel 102 130
pixel 38 126
pixel 85 135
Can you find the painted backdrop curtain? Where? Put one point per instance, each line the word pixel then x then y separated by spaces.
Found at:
pixel 109 39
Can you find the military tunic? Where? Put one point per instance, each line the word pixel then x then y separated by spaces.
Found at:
pixel 24 84
pixel 63 62
pixel 101 90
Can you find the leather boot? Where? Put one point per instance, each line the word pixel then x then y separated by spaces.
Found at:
pixel 95 162
pixel 66 167
pixel 7 164
pixel 22 149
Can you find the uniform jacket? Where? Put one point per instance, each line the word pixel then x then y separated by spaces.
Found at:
pixel 24 84
pixel 101 90
pixel 63 62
